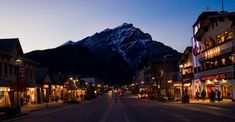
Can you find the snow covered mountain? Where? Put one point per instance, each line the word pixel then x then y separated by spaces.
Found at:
pixel 128 41
pixel 113 55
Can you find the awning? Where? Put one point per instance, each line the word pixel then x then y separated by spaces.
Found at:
pixel 4 82
pixel 31 84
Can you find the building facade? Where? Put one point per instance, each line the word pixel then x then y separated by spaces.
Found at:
pixel 16 74
pixel 187 72
pixel 213 47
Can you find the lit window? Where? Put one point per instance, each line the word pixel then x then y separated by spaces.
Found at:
pixel 230 35
pixel 223 61
pixel 231 59
pixel 222 38
pixel 216 63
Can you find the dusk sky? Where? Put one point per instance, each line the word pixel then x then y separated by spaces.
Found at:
pixel 42 24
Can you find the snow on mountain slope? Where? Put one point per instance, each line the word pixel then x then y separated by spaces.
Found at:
pixel 126 40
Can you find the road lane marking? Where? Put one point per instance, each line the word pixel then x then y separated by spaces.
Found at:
pixel 107 112
pixel 180 117
pixel 124 112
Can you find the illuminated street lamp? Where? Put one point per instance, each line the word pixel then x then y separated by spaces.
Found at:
pixel 18 62
pixel 181 79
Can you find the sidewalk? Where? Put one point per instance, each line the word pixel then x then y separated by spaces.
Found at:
pixel 207 101
pixel 34 107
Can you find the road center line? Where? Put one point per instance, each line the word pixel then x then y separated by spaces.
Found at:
pixel 124 112
pixel 107 113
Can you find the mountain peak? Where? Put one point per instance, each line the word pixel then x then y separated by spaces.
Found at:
pixel 70 42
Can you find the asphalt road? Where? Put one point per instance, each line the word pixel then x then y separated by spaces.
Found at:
pixel 129 109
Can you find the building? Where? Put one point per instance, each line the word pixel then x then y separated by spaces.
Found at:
pixel 213 47
pixel 17 74
pixel 187 72
pixel 160 74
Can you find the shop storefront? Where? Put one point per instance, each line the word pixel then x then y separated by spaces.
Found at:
pixel 197 86
pixel 4 97
pixel 32 96
pixel 45 93
pixel 56 92
pixel 218 83
pixel 177 91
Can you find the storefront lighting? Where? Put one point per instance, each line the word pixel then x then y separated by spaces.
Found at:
pixel 61 87
pixel 169 81
pixel 8 89
pixel 224 81
pixel 45 86
pixel 71 78
pixel 177 84
pixel 187 84
pixel 209 82
pixel 142 82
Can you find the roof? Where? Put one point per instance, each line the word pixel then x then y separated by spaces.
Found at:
pixel 187 51
pixel 2 53
pixel 41 74
pixel 7 45
pixel 204 15
pixel 207 17
pixel 56 78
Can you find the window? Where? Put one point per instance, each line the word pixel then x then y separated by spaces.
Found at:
pixel 223 61
pixel 231 59
pixel 216 63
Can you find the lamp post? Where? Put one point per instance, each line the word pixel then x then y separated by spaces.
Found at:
pixel 182 86
pixel 18 63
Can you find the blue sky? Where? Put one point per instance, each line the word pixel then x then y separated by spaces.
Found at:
pixel 42 24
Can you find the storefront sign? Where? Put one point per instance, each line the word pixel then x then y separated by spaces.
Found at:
pixel 211 77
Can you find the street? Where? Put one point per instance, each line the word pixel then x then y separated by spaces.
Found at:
pixel 131 109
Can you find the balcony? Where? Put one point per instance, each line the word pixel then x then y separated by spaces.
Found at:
pixel 221 70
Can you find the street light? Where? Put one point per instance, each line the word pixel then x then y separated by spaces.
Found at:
pixel 18 62
pixel 181 78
